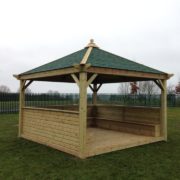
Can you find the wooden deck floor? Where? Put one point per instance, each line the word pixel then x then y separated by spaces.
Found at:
pixel 101 141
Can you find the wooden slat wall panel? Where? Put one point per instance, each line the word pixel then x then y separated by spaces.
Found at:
pixel 53 128
pixel 136 120
pixel 90 108
pixel 135 114
pixel 150 115
pixel 110 112
pixel 91 111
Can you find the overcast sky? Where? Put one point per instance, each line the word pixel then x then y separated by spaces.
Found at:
pixel 34 32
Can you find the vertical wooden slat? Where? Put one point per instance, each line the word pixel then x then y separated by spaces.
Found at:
pixel 21 105
pixel 82 112
pixel 164 109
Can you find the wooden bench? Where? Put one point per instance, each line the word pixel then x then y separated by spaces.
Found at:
pixel 139 128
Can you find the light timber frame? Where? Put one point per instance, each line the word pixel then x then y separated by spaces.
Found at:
pixel 84 75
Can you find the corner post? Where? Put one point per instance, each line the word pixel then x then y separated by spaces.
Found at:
pixel 21 105
pixel 164 109
pixel 82 112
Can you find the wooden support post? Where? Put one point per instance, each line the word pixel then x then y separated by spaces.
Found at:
pixel 164 109
pixel 94 98
pixel 21 105
pixel 95 89
pixel 82 112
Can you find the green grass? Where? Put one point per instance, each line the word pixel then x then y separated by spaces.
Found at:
pixel 22 159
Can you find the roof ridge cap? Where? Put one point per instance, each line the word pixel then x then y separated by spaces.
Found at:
pixel 86 55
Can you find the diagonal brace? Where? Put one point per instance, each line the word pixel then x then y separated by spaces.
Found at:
pixel 26 85
pixel 75 79
pixel 159 84
pixel 91 79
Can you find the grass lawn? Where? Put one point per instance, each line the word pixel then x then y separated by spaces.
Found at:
pixel 22 159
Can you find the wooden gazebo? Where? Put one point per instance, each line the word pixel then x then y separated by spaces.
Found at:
pixel 86 130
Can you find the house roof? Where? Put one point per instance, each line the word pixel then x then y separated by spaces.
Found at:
pixel 96 58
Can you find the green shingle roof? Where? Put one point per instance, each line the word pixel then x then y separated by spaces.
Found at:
pixel 97 58
pixel 64 62
pixel 101 58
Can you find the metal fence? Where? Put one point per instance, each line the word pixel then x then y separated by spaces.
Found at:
pixel 9 102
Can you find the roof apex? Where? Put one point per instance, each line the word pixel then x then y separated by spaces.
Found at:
pixel 91 44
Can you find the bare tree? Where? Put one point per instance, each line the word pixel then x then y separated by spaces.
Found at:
pixel 148 87
pixel 177 89
pixel 4 89
pixel 144 87
pixel 27 91
pixel 171 88
pixel 124 88
pixel 52 92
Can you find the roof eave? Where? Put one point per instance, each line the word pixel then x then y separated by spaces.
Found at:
pixel 44 74
pixel 128 73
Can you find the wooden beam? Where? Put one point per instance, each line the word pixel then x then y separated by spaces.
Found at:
pixel 75 79
pixel 164 110
pixel 82 112
pixel 21 106
pixel 81 67
pixel 126 73
pixel 48 73
pixel 91 79
pixel 85 58
pixel 16 76
pixel 170 75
